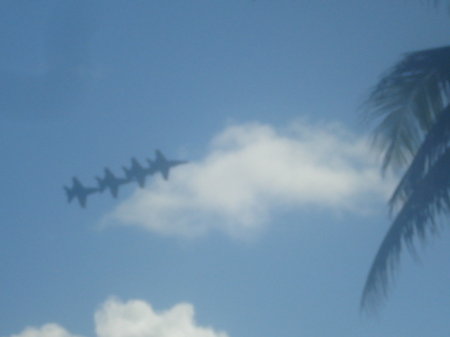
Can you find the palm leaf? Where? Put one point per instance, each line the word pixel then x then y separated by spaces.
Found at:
pixel 434 145
pixel 407 100
pixel 431 197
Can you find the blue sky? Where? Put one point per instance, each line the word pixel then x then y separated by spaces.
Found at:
pixel 272 226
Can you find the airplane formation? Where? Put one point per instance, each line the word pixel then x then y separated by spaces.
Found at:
pixel 136 173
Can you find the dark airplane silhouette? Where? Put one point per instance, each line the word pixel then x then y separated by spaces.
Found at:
pixel 163 165
pixel 79 191
pixel 111 181
pixel 137 172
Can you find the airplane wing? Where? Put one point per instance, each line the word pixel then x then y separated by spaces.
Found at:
pixel 141 181
pixel 82 200
pixel 101 184
pixel 69 193
pixel 128 173
pixel 114 190
pixel 165 174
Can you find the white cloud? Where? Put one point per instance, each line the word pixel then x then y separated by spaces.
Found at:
pixel 47 330
pixel 253 170
pixel 135 318
pixel 138 319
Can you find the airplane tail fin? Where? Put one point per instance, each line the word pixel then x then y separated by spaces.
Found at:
pixel 69 193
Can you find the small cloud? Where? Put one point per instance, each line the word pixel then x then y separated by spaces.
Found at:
pixel 135 318
pixel 47 330
pixel 253 170
pixel 138 319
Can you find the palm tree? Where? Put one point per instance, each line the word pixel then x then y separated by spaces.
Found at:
pixel 411 105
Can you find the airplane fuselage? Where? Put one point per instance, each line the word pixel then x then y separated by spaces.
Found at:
pixel 79 191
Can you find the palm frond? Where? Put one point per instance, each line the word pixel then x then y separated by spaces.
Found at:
pixel 407 100
pixel 433 146
pixel 430 198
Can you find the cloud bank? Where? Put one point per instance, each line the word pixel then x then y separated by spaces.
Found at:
pixel 134 318
pixel 254 170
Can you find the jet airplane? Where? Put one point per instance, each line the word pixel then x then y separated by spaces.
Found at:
pixel 79 191
pixel 163 165
pixel 137 172
pixel 111 181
